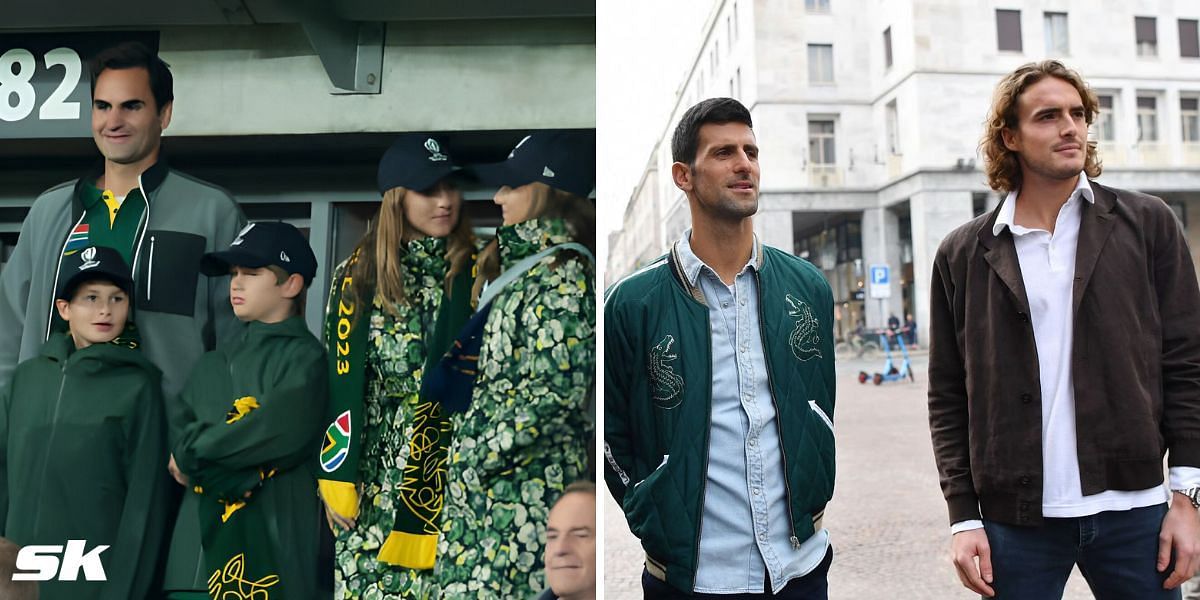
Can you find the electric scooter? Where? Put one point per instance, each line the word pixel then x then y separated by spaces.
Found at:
pixel 890 372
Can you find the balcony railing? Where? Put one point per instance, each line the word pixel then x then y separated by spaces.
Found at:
pixel 821 175
pixel 895 162
pixel 1113 154
pixel 1191 153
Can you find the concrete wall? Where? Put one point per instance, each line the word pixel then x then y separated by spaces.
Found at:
pixel 266 79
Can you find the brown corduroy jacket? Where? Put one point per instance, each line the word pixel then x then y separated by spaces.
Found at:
pixel 1135 360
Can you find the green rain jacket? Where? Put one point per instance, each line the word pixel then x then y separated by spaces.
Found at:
pixel 83 457
pixel 248 420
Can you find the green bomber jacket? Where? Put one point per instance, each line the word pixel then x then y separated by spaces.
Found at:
pixel 658 399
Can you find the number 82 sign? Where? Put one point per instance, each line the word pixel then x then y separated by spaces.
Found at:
pixel 45 90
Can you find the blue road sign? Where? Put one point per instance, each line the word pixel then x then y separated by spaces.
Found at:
pixel 880 281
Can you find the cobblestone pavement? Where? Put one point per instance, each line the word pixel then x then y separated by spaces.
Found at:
pixel 887 519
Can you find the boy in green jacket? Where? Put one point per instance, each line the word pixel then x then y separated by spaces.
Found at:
pixel 83 440
pixel 244 429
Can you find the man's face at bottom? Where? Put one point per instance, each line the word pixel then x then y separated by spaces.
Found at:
pixel 571 547
pixel 724 176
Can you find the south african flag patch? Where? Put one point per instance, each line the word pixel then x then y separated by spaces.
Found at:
pixel 78 240
pixel 337 443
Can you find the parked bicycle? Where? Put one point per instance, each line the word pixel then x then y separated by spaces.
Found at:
pixel 856 345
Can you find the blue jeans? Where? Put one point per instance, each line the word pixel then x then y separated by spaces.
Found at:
pixel 1116 551
pixel 812 586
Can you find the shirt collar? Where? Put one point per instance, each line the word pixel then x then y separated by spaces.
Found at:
pixel 1008 210
pixel 692 264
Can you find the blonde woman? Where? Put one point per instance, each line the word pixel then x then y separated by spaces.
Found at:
pixel 395 304
pixel 524 433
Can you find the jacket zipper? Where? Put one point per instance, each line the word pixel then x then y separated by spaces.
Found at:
pixel 150 269
pixel 704 471
pixel 57 271
pixel 787 486
pixel 62 383
pixel 143 225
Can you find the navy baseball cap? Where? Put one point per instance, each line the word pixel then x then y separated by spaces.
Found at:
pixel 415 161
pixel 92 263
pixel 263 244
pixel 564 160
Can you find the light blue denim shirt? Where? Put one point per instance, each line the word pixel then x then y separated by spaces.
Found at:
pixel 745 530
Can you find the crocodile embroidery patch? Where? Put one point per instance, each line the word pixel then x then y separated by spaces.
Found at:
pixel 804 340
pixel 666 386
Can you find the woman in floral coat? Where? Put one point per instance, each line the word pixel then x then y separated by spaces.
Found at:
pixel 397 301
pixel 527 429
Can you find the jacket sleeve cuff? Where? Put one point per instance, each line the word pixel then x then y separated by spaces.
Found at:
pixel 340 496
pixel 1184 453
pixel 964 507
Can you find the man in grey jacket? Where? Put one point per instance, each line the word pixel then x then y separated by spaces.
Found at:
pixel 160 220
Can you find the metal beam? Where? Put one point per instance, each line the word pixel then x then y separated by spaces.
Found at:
pixel 350 51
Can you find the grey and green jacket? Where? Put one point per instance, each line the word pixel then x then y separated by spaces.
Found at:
pixel 658 401
pixel 180 313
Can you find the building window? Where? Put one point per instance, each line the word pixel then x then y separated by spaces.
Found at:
pixel 735 21
pixel 731 92
pixel 849 241
pixel 1056 34
pixel 817 5
pixel 820 63
pixel 729 33
pixel 892 116
pixel 1189 42
pixel 1189 109
pixel 820 142
pixel 887 47
pixel 1147 116
pixel 1105 120
pixel 1146 32
pixel 737 78
pixel 1008 30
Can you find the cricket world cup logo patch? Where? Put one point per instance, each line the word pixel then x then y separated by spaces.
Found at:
pixel 337 443
pixel 804 339
pixel 666 386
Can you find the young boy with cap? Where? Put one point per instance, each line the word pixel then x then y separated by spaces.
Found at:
pixel 244 429
pixel 83 439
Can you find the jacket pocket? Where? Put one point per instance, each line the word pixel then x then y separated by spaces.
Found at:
pixel 642 511
pixel 820 413
pixel 820 433
pixel 168 270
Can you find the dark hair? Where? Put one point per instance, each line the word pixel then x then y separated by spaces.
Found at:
pixel 686 139
pixel 134 55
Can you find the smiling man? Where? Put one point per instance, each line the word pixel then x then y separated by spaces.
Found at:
pixel 159 220
pixel 719 389
pixel 571 544
pixel 1064 363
